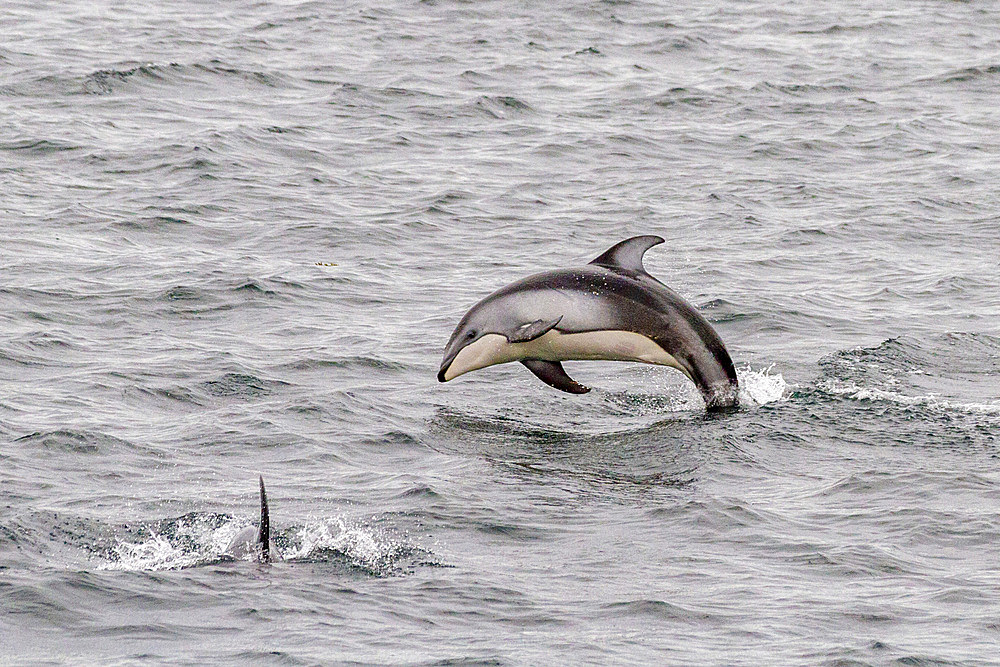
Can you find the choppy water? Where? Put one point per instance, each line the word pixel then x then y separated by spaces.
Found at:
pixel 235 238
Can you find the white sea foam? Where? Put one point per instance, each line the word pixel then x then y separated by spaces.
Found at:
pixel 857 392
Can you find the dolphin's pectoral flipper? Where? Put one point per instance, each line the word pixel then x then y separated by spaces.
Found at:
pixel 532 330
pixel 552 374
pixel 628 254
pixel 264 531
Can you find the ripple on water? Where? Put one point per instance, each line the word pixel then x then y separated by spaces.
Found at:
pixel 243 385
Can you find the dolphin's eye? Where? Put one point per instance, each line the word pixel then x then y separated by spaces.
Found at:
pixel 471 334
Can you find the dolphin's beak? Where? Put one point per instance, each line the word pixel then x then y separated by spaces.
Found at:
pixel 449 357
pixel 462 357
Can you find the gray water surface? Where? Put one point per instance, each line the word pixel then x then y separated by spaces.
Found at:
pixel 236 236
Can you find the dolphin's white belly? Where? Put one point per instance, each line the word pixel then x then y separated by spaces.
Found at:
pixel 596 346
pixel 554 345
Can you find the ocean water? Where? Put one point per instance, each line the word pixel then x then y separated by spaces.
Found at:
pixel 235 237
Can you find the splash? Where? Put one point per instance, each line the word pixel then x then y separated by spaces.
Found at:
pixel 202 540
pixel 155 553
pixel 761 387
pixel 365 547
pixel 756 388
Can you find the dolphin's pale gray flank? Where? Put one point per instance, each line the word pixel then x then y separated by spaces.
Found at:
pixel 611 309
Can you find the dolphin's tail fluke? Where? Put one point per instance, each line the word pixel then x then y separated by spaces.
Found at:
pixel 264 531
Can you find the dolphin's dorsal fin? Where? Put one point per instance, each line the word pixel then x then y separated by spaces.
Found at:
pixel 264 532
pixel 628 254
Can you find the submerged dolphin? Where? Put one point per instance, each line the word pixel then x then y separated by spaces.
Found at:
pixel 252 541
pixel 609 310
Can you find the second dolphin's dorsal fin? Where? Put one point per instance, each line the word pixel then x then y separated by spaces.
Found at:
pixel 628 254
pixel 264 531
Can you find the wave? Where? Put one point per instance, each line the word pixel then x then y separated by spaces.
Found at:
pixel 983 74
pixel 242 385
pixel 858 392
pixel 129 77
pixel 80 442
pixel 501 106
pixel 946 372
pixel 106 81
pixel 39 146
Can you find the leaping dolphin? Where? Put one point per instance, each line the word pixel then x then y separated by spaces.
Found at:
pixel 609 310
pixel 252 541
